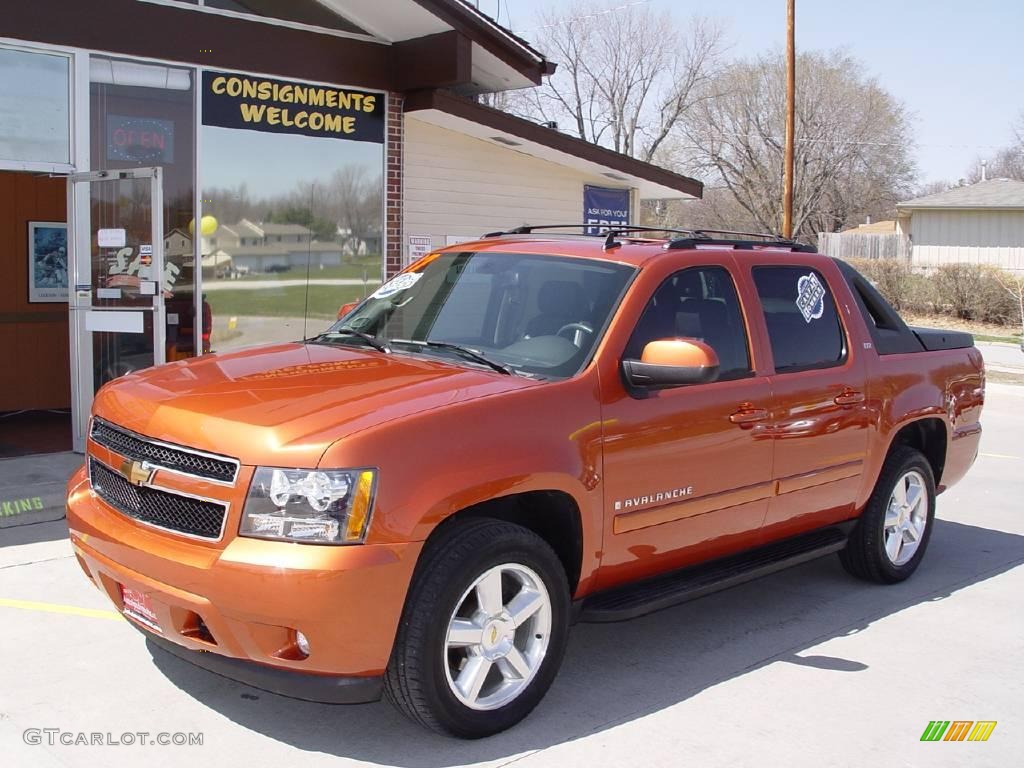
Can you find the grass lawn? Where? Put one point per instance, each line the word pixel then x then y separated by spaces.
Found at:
pixel 290 301
pixel 981 331
pixel 1015 339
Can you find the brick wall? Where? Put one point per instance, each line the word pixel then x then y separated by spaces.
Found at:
pixel 393 186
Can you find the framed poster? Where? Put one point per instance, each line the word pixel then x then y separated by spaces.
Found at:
pixel 47 262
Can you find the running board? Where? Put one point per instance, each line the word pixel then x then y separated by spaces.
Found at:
pixel 628 602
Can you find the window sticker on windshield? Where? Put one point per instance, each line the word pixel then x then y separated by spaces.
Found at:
pixel 400 283
pixel 810 297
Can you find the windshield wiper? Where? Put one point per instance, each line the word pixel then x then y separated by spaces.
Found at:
pixel 472 354
pixel 373 341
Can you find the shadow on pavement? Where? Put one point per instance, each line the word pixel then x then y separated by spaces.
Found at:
pixel 615 673
pixel 33 533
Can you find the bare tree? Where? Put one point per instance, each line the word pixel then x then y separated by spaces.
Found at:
pixel 852 155
pixel 229 205
pixel 624 79
pixel 1013 283
pixel 1006 163
pixel 354 197
pixel 932 188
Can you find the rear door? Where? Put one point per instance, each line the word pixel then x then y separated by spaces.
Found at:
pixel 819 416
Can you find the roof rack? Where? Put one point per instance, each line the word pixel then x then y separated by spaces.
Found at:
pixel 701 237
pixel 527 229
pixel 740 245
pixel 691 238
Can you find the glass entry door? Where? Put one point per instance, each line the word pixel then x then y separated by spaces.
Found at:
pixel 116 272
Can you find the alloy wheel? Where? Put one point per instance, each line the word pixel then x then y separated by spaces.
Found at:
pixel 906 518
pixel 497 636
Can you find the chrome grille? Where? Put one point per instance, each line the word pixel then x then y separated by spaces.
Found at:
pixel 153 506
pixel 175 458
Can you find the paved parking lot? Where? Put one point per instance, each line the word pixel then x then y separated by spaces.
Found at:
pixel 807 667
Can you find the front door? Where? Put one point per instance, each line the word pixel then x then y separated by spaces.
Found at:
pixel 687 470
pixel 116 274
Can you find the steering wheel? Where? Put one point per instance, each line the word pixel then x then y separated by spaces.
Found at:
pixel 578 328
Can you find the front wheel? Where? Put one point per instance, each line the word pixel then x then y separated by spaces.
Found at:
pixel 890 538
pixel 483 631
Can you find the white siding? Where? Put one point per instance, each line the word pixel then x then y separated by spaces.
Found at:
pixel 459 185
pixel 977 237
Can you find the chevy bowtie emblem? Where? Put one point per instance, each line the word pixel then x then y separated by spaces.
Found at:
pixel 494 635
pixel 137 472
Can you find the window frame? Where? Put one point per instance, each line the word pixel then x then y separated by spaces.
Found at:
pixel 844 335
pixel 74 67
pixel 751 371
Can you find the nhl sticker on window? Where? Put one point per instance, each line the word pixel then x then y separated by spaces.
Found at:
pixel 810 297
pixel 399 284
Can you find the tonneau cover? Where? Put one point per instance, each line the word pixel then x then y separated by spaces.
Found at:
pixel 935 339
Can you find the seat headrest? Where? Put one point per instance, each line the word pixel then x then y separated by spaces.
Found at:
pixel 700 317
pixel 562 297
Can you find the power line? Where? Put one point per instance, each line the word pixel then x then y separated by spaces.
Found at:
pixel 595 15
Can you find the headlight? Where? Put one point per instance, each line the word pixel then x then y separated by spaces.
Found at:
pixel 323 506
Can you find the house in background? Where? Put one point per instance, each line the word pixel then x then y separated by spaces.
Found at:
pixel 979 223
pixel 248 247
pixel 178 247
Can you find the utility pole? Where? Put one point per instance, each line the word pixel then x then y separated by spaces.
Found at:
pixel 787 191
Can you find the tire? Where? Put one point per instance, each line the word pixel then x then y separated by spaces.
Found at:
pixel 887 546
pixel 451 636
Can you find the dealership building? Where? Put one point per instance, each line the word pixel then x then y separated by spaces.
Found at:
pixel 180 177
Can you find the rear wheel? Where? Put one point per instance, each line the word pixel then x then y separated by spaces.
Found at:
pixel 892 534
pixel 483 631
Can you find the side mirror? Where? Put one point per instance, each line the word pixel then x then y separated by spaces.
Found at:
pixel 344 309
pixel 672 363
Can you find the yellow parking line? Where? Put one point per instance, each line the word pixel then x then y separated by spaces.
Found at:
pixel 999 456
pixel 73 610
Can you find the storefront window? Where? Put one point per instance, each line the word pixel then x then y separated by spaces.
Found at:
pixel 292 205
pixel 35 102
pixel 143 115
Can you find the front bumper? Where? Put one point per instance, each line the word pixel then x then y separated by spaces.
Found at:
pixel 325 689
pixel 233 606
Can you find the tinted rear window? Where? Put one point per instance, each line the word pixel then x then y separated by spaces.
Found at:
pixel 803 326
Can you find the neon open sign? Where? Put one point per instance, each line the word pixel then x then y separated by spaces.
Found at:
pixel 144 140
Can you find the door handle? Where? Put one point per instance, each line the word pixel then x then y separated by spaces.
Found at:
pixel 748 413
pixel 849 397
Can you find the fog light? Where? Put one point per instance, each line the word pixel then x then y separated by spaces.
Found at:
pixel 302 643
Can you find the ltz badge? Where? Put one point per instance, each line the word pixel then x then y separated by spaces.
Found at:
pixel 810 297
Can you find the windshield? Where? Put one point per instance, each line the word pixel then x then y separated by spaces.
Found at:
pixel 530 314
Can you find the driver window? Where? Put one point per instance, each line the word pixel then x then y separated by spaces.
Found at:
pixel 697 303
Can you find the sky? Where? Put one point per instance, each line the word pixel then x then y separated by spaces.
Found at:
pixel 271 164
pixel 957 66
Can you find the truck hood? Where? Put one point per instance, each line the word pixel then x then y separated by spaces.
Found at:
pixel 284 405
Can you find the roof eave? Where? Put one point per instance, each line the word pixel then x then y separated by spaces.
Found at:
pixel 900 207
pixel 674 184
pixel 485 31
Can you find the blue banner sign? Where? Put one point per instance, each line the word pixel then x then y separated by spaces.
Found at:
pixel 605 206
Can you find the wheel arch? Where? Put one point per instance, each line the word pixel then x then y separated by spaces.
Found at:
pixel 552 514
pixel 930 436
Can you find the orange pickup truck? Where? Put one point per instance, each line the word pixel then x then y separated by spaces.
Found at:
pixel 512 435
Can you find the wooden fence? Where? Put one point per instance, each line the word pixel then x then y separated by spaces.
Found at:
pixel 864 246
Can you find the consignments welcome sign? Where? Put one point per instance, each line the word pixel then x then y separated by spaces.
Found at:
pixel 279 106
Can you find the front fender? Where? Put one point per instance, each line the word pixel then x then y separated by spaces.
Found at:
pixel 436 463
